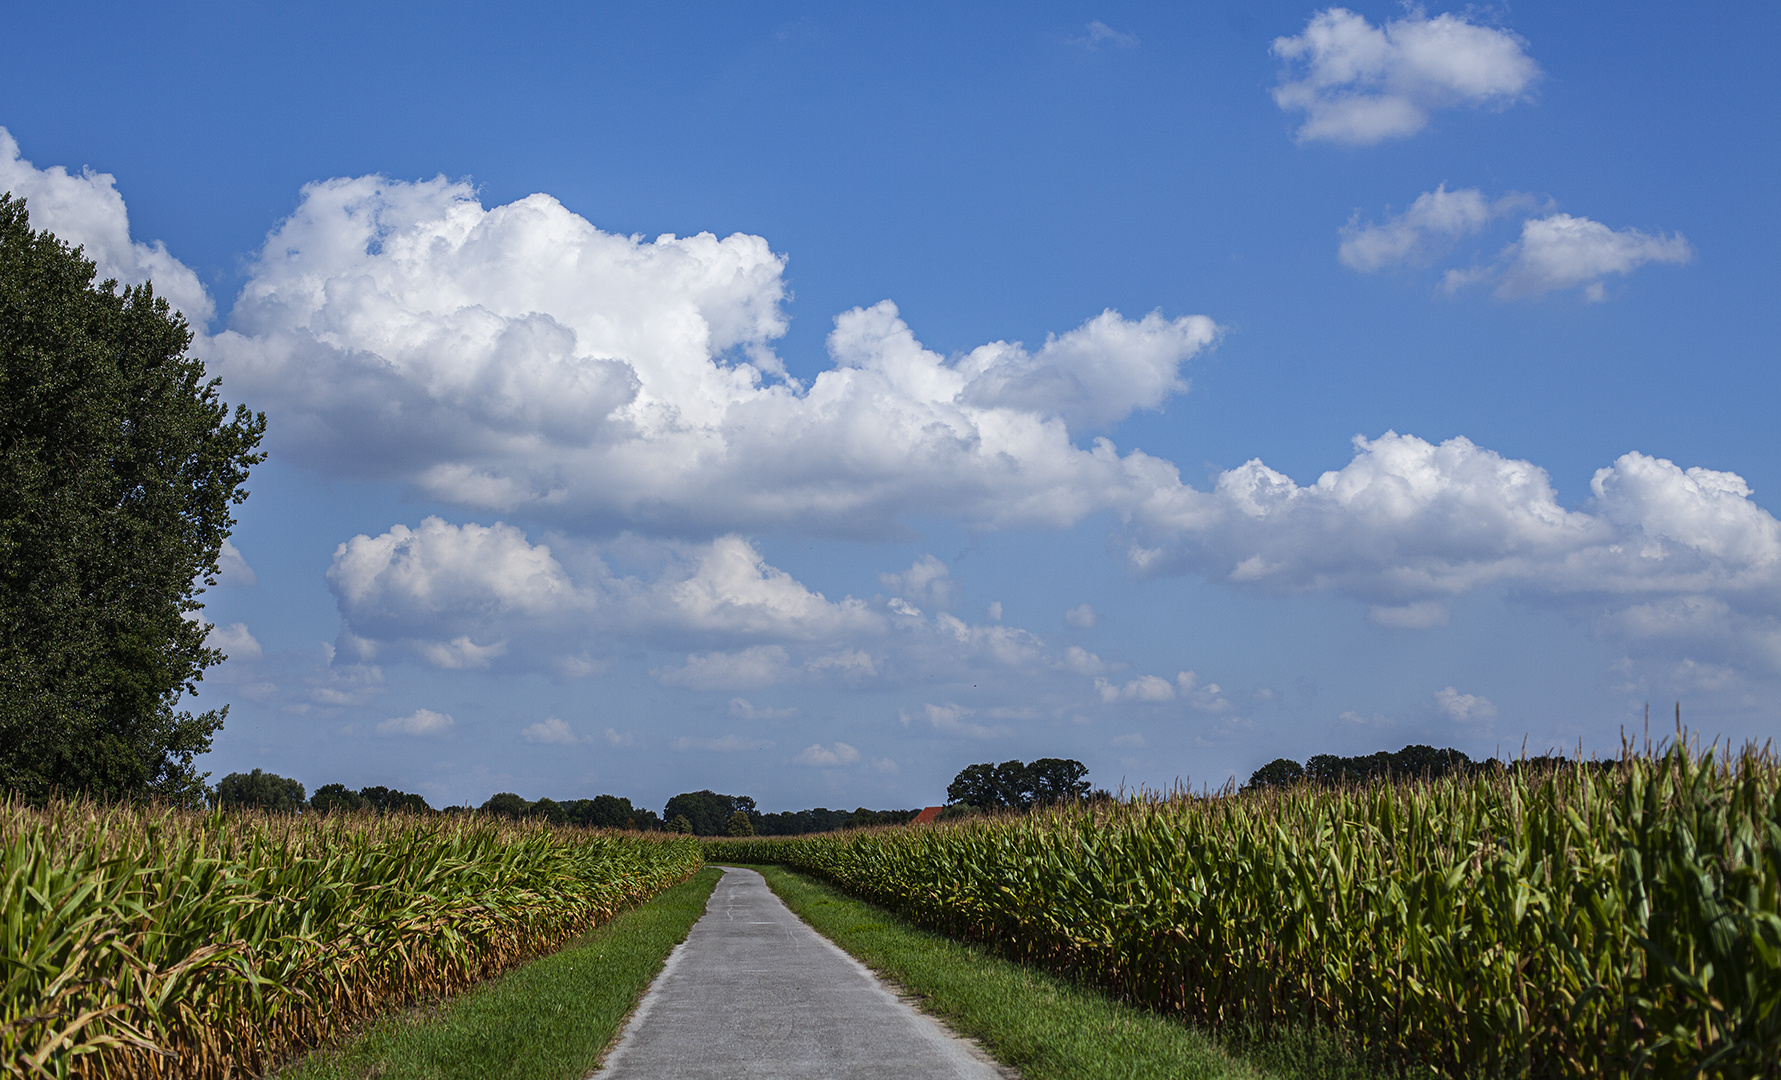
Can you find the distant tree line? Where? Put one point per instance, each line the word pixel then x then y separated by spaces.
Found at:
pixel 600 812
pixel 708 813
pixel 260 790
pixel 1414 762
pixel 702 813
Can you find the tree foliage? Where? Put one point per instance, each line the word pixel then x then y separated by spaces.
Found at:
pixel 119 466
pixel 259 791
pixel 706 811
pixel 1281 772
pixel 335 798
pixel 1414 762
pixel 1017 785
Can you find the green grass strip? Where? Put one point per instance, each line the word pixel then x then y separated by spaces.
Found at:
pixel 1045 1027
pixel 548 1020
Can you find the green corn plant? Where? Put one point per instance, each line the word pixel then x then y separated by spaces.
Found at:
pixel 1616 921
pixel 157 943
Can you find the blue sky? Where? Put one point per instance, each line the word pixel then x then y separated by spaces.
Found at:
pixel 558 507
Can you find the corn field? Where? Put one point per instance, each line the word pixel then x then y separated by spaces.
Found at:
pixel 156 943
pixel 1563 923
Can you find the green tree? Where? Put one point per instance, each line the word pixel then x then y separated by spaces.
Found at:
pixel 506 804
pixel 1057 780
pixel 259 791
pixel 1277 773
pixel 738 825
pixel 119 466
pixel 679 823
pixel 1016 785
pixel 332 798
pixel 708 811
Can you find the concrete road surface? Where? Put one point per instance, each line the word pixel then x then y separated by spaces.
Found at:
pixel 755 992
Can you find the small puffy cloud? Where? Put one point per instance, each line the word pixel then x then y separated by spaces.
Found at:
pixel 994 611
pixel 1555 251
pixel 1208 697
pixel 1082 617
pixel 552 731
pixel 819 756
pixel 725 744
pixel 1098 35
pixel 620 738
pixel 1564 252
pixel 234 640
pixel 86 211
pixel 1464 708
pixel 418 722
pixel 745 709
pixel 928 582
pixel 1144 688
pixel 1360 84
pixel 1082 662
pixel 885 766
pixel 1134 741
pixel 1421 231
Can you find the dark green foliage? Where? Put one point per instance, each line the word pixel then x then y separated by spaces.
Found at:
pixel 259 791
pixel 388 801
pixel 506 804
pixel 1277 773
pixel 1016 785
pixel 1412 762
pixel 707 811
pixel 330 798
pixel 119 466
pixel 738 825
pixel 679 824
pixel 822 819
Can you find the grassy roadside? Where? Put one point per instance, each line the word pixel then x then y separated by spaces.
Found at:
pixel 549 1020
pixel 1044 1026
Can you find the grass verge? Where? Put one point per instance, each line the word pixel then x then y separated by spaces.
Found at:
pixel 1042 1025
pixel 548 1020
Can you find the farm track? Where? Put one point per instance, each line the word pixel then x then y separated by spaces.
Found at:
pixel 755 992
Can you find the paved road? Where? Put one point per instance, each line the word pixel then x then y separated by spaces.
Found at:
pixel 755 992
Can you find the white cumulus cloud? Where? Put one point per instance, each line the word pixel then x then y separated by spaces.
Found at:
pixel 1420 231
pixel 827 757
pixel 418 722
pixel 1408 524
pixel 1360 84
pixel 457 595
pixel 1564 252
pixel 552 731
pixel 520 358
pixel 234 640
pixel 1555 251
pixel 1464 708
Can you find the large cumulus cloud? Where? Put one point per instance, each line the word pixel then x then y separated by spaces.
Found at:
pixel 518 359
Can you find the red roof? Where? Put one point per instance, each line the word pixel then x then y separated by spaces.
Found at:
pixel 927 815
